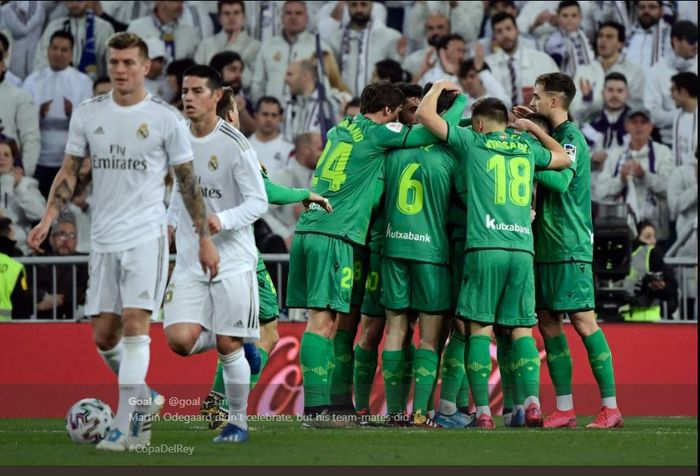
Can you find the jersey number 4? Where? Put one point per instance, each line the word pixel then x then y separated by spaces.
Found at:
pixel 331 165
pixel 518 182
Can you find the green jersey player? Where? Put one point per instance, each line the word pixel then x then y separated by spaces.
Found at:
pixel 321 257
pixel 495 182
pixel 563 257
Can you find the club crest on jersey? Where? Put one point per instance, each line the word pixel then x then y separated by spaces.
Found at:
pixel 394 126
pixel 142 131
pixel 213 163
pixel 570 149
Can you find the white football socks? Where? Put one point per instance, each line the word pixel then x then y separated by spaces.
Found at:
pixel 565 402
pixel 237 382
pixel 132 378
pixel 447 408
pixel 113 356
pixel 610 402
pixel 483 410
pixel 206 341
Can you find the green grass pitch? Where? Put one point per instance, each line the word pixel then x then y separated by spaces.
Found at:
pixel 644 441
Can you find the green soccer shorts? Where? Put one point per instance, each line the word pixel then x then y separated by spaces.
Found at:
pixel 372 301
pixel 359 274
pixel 422 287
pixel 320 273
pixel 564 287
pixel 499 288
pixel 457 268
pixel 269 307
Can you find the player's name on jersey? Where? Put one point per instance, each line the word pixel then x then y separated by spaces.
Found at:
pixel 507 145
pixel 352 128
pixel 406 235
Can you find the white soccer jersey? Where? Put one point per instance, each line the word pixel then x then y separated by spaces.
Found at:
pixel 228 172
pixel 130 149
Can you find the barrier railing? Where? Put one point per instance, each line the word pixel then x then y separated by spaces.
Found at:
pixel 685 268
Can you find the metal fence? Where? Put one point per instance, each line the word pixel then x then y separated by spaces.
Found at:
pixel 686 272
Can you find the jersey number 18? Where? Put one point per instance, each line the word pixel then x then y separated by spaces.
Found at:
pixel 517 185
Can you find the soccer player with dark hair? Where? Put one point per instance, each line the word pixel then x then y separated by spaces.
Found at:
pixel 495 181
pixel 321 265
pixel 564 260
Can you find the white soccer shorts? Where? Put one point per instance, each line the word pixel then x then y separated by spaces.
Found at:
pixel 134 278
pixel 228 307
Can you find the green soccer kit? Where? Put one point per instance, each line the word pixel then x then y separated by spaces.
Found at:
pixel 419 185
pixel 563 229
pixel 371 302
pixel 495 181
pixel 350 166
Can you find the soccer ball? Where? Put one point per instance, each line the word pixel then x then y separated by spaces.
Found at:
pixel 88 420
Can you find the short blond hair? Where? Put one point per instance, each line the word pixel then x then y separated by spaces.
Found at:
pixel 125 40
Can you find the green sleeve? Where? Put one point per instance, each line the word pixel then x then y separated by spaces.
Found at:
pixel 542 156
pixel 557 181
pixel 465 122
pixel 281 195
pixel 419 136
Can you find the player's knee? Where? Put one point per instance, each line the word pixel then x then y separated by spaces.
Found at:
pixel 549 326
pixel 226 345
pixel 371 336
pixel 584 323
pixel 105 341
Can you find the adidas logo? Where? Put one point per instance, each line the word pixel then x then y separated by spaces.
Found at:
pixel 238 324
pixel 144 295
pixel 99 131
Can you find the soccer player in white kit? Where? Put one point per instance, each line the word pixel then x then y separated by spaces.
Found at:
pixel 131 138
pixel 199 313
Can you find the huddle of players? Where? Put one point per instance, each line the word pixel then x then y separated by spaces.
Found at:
pixel 398 192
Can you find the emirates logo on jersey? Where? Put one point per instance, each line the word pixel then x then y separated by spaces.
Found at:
pixel 213 163
pixel 142 131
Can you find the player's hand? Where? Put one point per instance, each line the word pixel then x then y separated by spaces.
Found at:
pixel 38 235
pixel 214 224
pixel 522 111
pixel 319 200
pixel 208 256
pixel 523 125
pixel 445 85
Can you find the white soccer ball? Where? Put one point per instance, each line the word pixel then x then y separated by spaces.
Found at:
pixel 88 420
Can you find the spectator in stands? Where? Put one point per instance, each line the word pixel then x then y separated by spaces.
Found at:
pixel 293 44
pixel 436 26
pixel 19 120
pixel 10 77
pixel 282 219
pixel 360 43
pixel 231 68
pixel 20 199
pixel 568 45
pixel 269 145
pixel 539 19
pixel 650 39
pixel 607 130
pixel 24 22
pixel 352 108
pixel 166 23
pixel 486 39
pixel 516 67
pixel 638 174
pixel 450 53
pixel 193 14
pixel 305 110
pixel 657 92
pixel 81 22
pixel 478 82
pixel 333 80
pixel 683 205
pixel 63 240
pixel 465 18
pixel 156 79
pixel 102 85
pixel 232 37
pixel 174 73
pixel 264 19
pixel 590 79
pixel 56 91
pixel 684 90
pixel 650 280
pixel 15 296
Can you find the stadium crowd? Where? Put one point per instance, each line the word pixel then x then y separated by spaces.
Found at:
pixel 297 68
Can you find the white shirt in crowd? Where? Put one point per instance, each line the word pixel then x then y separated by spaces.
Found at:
pixel 465 20
pixel 49 85
pixel 657 92
pixel 274 154
pixel 683 204
pixel 23 204
pixel 186 37
pixel 645 48
pixel 685 137
pixel 244 45
pixel 528 64
pixel 228 172
pixel 131 149
pixel 19 120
